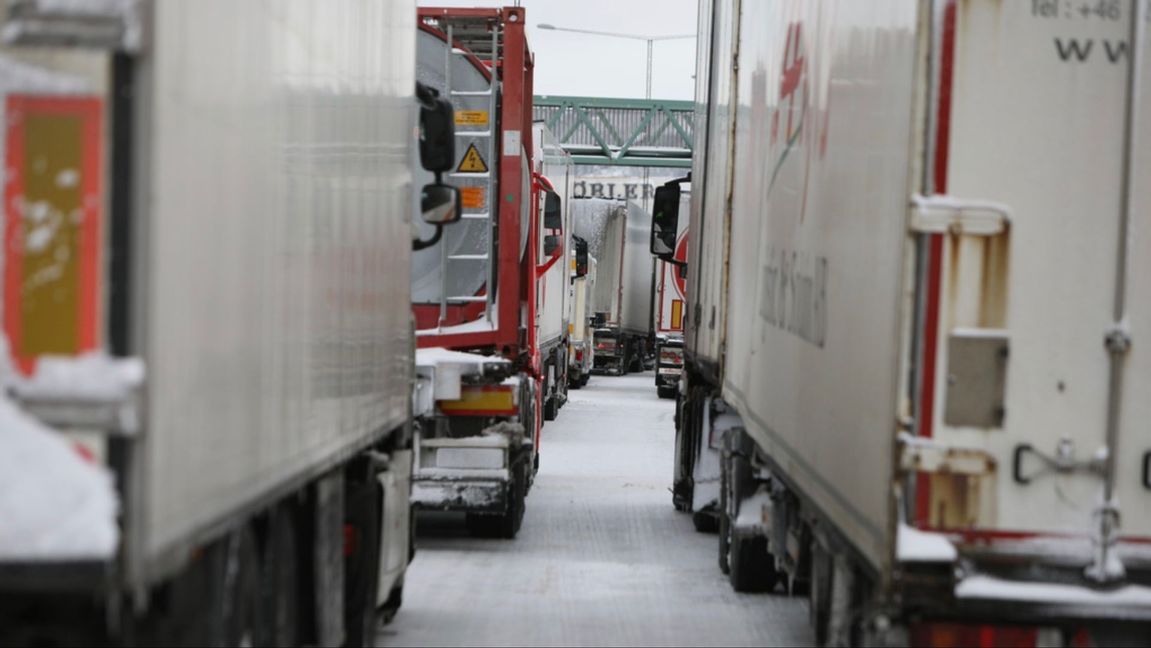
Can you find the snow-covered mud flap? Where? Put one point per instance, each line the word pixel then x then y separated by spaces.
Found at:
pixel 697 471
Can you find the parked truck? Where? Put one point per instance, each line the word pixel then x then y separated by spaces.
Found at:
pixel 670 291
pixel 916 311
pixel 617 234
pixel 209 350
pixel 487 378
pixel 553 173
pixel 581 351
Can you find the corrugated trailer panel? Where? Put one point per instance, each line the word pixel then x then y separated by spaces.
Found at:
pixel 818 226
pixel 275 201
pixel 638 273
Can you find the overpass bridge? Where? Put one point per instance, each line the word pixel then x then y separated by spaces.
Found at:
pixel 620 132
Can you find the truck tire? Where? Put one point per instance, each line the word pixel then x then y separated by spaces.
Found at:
pixel 705 520
pixel 280 581
pixel 243 618
pixel 723 525
pixel 362 562
pixel 819 606
pixel 551 408
pixel 750 567
pixel 665 392
pixel 507 524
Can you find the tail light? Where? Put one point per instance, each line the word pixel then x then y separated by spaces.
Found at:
pixel 956 635
pixel 579 355
pixel 671 356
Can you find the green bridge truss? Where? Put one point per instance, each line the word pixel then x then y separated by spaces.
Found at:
pixel 620 132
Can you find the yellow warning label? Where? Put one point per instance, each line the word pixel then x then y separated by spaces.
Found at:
pixel 472 197
pixel 471 118
pixel 473 162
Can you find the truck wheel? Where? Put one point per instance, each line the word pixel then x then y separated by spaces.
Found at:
pixel 705 520
pixel 280 582
pixel 723 522
pixel 243 620
pixel 584 378
pixel 665 392
pixel 362 562
pixel 819 607
pixel 551 409
pixel 507 524
pixel 751 567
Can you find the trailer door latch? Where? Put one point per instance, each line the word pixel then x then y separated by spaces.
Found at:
pixel 947 215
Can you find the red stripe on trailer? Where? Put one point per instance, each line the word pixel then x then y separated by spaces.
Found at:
pixel 991 536
pixel 935 257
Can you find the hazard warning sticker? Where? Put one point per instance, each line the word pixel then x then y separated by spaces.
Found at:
pixel 473 162
pixel 471 118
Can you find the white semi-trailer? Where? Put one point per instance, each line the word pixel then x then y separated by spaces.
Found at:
pixel 617 234
pixel 553 173
pixel 918 319
pixel 581 351
pixel 207 214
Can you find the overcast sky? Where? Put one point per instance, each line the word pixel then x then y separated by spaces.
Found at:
pixel 602 66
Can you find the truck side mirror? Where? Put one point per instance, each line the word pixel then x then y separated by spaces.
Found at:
pixel 551 243
pixel 665 220
pixel 440 204
pixel 437 131
pixel 580 257
pixel 553 211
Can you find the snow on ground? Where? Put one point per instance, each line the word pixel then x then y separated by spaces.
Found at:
pixel 602 559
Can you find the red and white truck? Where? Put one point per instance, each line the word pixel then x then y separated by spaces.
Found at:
pixel 916 336
pixel 670 303
pixel 489 295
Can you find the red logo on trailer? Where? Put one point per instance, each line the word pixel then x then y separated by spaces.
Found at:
pixel 680 277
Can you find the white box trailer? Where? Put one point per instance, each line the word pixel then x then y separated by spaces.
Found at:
pixel 617 235
pixel 555 171
pixel 916 310
pixel 248 241
pixel 581 350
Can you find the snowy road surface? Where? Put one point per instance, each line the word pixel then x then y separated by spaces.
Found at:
pixel 602 558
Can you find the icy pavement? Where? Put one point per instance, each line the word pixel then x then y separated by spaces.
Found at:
pixel 602 558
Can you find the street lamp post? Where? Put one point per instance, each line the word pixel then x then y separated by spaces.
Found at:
pixel 649 39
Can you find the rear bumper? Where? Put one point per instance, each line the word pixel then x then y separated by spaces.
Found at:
pixel 473 494
pixel 667 376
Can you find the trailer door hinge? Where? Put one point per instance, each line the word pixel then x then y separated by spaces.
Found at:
pixel 919 454
pixel 941 214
